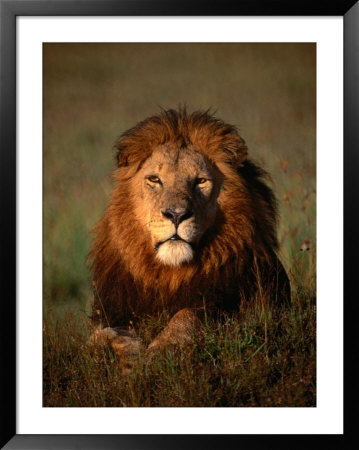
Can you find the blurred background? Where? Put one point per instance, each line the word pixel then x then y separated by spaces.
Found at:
pixel 94 92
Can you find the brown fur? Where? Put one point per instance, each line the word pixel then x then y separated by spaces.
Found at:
pixel 235 261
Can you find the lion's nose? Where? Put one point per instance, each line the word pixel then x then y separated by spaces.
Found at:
pixel 177 217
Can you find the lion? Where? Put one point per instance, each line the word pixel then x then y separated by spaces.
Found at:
pixel 191 226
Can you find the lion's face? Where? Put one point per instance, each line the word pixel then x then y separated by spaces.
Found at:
pixel 176 193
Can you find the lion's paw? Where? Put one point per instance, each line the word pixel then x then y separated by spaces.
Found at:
pixel 182 329
pixel 124 344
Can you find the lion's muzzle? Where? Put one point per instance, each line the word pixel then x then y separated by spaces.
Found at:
pixel 175 249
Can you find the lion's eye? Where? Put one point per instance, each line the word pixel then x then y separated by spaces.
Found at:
pixel 153 179
pixel 201 180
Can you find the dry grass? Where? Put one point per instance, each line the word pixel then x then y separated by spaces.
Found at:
pixel 94 92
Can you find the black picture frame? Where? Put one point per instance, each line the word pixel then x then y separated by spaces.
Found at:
pixel 9 10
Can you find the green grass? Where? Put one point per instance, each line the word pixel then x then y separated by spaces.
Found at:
pixel 94 92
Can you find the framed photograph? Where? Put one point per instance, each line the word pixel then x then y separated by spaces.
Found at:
pixel 175 178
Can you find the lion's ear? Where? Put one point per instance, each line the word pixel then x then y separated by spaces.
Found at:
pixel 121 154
pixel 236 150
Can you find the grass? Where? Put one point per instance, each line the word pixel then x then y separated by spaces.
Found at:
pixel 94 92
pixel 239 361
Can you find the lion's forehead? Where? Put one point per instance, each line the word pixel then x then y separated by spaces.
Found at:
pixel 179 163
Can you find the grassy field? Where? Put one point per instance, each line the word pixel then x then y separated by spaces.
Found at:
pixel 92 93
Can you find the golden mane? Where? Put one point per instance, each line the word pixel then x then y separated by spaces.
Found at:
pixel 234 257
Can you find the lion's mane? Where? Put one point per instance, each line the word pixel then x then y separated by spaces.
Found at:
pixel 236 260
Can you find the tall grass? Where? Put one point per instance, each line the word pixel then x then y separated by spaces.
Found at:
pixel 245 360
pixel 92 93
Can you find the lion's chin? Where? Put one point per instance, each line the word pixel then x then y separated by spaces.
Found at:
pixel 174 253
